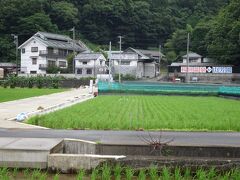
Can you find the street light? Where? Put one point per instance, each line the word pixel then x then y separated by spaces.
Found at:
pixel 16 43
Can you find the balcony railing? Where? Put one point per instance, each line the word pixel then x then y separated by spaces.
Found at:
pixel 51 54
pixel 42 66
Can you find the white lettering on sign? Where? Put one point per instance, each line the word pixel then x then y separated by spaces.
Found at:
pixel 222 70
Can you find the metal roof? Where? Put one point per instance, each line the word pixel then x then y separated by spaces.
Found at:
pixel 88 56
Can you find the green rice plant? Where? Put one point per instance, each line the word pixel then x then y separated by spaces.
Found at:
pixel 106 172
pixel 153 173
pixel 201 174
pixel 225 176
pixel 36 174
pixel 235 174
pixel 117 172
pixel 81 174
pixel 4 173
pixel 177 174
pixel 43 176
pixel 187 174
pixel 15 172
pixel 129 172
pixel 142 174
pixel 26 173
pixel 148 112
pixel 56 177
pixel 166 174
pixel 94 174
pixel 211 173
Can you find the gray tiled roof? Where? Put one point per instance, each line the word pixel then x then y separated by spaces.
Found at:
pixel 192 55
pixel 150 52
pixel 58 41
pixel 88 56
pixel 61 44
pixel 54 36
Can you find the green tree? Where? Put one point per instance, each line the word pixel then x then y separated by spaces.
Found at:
pixel 64 14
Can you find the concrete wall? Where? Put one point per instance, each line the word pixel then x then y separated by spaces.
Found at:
pixel 213 78
pixel 149 70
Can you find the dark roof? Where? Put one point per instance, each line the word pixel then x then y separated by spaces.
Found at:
pixel 58 41
pixel 142 56
pixel 88 56
pixel 150 53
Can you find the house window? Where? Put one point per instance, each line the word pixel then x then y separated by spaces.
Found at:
pixel 62 64
pixel 79 71
pixel 34 49
pixel 33 72
pixel 23 50
pixel 34 61
pixel 125 63
pixel 89 71
pixel 84 63
pixel 51 63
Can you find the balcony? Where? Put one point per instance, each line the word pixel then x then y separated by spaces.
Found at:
pixel 51 54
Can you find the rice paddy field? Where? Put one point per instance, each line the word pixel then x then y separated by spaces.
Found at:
pixel 148 113
pixel 107 172
pixel 10 94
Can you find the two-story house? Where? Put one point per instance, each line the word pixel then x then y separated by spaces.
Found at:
pixel 89 64
pixel 133 62
pixel 47 49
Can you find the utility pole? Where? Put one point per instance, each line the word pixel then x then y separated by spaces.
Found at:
pixel 120 60
pixel 109 60
pixel 160 57
pixel 74 53
pixel 188 42
pixel 16 43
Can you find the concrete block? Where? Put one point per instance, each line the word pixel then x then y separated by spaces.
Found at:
pixel 27 152
pixel 74 162
pixel 75 146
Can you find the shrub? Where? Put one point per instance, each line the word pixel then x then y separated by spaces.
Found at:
pixel 55 82
pixel 39 81
pixel 53 70
pixel 127 77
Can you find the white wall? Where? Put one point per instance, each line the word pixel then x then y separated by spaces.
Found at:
pixel 26 58
pixel 197 60
pixel 91 63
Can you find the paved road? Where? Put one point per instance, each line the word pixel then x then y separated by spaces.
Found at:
pixel 132 137
pixel 9 110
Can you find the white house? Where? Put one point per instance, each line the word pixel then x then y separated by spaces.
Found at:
pixel 44 49
pixel 89 64
pixel 193 58
pixel 133 62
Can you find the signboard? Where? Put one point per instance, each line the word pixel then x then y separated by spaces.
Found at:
pixel 193 69
pixel 208 69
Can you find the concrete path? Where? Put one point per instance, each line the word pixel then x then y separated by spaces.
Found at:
pixel 230 139
pixel 35 105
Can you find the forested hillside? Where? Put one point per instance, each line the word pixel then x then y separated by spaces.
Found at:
pixel 213 24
